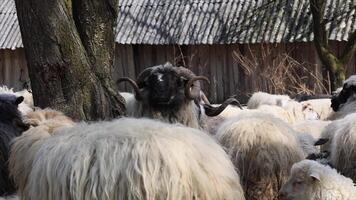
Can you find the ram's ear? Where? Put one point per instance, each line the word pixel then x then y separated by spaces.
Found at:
pixel 315 176
pixel 19 100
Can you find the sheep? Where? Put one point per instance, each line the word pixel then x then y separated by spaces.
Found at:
pixel 11 126
pixel 170 94
pixel 343 146
pixel 132 158
pixel 44 124
pixel 344 102
pixel 262 98
pixel 313 127
pixel 320 106
pixel 24 107
pixel 310 180
pixel 262 148
pixel 293 110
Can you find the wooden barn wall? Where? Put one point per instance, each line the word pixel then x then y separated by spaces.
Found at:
pixel 214 61
pixel 13 68
pixel 217 62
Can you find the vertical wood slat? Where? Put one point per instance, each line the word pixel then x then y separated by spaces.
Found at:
pixel 13 69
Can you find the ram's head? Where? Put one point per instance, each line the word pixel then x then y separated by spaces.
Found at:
pixel 165 87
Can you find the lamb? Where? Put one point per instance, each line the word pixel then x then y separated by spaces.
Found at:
pixel 263 148
pixel 320 106
pixel 170 94
pixel 310 180
pixel 132 159
pixel 11 126
pixel 344 102
pixel 45 123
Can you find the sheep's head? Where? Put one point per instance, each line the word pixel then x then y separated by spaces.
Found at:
pixel 165 87
pixel 9 112
pixel 348 89
pixel 302 182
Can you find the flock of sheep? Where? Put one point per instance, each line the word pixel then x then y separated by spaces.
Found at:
pixel 175 145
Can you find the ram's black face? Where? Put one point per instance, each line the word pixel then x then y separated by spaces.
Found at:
pixel 165 89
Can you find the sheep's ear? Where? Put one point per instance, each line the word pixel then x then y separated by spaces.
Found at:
pixel 19 100
pixel 315 176
pixel 321 141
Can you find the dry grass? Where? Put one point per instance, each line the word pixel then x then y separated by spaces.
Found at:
pixel 280 75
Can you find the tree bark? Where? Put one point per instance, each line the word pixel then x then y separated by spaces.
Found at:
pixel 335 65
pixel 69 54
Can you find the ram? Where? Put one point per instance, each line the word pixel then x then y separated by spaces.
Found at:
pixel 170 94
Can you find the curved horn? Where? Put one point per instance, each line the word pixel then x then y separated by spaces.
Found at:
pixel 204 98
pixel 212 111
pixel 194 92
pixel 141 77
pixel 133 84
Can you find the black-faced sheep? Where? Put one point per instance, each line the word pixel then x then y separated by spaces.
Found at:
pixel 310 180
pixel 170 94
pixel 263 148
pixel 27 104
pixel 344 102
pixel 132 159
pixel 11 126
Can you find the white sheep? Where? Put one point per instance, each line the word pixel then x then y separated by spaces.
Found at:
pixel 343 146
pixel 132 159
pixel 310 180
pixel 262 98
pixel 320 106
pixel 45 123
pixel 313 127
pixel 263 148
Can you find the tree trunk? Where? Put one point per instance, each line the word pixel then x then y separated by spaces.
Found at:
pixel 335 65
pixel 69 50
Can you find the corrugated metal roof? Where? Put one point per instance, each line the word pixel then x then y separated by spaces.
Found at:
pixel 208 21
pixel 10 36
pixel 228 21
